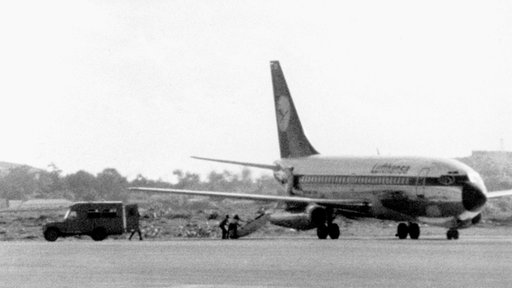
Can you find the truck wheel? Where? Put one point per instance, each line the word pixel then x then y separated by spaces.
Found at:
pixel 99 234
pixel 51 234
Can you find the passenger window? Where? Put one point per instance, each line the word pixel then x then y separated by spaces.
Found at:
pixel 93 213
pixel 71 215
pixel 109 213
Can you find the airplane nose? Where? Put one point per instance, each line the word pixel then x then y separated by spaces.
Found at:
pixel 473 198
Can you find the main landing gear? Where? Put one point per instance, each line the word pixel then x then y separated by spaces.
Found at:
pixel 329 229
pixel 332 230
pixel 413 230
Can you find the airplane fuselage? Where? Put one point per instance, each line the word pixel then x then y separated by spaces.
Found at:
pixel 443 192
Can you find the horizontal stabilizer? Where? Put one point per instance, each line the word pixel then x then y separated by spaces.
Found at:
pixel 257 197
pixel 255 165
pixel 502 193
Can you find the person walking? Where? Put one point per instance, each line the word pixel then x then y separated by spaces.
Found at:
pixel 233 227
pixel 223 227
pixel 133 232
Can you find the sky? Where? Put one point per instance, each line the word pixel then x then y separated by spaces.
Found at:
pixel 141 86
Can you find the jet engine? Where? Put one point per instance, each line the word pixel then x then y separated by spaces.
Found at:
pixel 313 216
pixel 280 176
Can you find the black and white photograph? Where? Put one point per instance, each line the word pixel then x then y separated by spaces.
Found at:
pixel 199 144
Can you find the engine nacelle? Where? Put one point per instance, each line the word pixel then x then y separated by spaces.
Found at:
pixel 313 216
pixel 317 214
pixel 280 176
pixel 284 176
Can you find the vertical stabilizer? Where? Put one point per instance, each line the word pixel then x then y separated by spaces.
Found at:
pixel 292 141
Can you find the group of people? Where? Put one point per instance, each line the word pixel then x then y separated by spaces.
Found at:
pixel 230 228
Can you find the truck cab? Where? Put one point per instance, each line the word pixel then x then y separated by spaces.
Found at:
pixel 96 219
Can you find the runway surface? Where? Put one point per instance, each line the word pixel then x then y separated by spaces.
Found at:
pixel 349 262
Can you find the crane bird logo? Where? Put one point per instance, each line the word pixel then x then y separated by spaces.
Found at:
pixel 283 113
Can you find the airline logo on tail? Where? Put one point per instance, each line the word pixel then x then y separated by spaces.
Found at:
pixel 293 143
pixel 283 113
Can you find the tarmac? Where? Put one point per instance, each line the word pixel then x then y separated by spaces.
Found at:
pixel 474 261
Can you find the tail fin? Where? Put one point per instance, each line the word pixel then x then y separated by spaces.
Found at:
pixel 292 141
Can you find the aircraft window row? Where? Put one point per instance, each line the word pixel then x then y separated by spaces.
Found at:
pixel 344 180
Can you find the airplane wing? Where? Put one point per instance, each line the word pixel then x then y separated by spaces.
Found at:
pixel 61 208
pixel 497 194
pixel 255 165
pixel 258 197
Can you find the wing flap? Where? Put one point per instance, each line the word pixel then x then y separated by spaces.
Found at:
pixel 257 197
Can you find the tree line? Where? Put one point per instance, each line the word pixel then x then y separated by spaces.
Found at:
pixel 25 182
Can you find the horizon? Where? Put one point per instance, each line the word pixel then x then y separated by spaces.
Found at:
pixel 203 176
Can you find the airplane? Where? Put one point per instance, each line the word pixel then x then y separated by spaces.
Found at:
pixel 36 205
pixel 409 190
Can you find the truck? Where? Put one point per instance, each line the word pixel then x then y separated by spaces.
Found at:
pixel 95 219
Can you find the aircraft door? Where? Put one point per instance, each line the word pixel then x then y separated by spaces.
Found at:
pixel 421 182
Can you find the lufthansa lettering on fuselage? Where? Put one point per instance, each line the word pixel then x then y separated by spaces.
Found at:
pixel 388 168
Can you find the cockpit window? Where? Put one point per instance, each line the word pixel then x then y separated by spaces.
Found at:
pixel 447 180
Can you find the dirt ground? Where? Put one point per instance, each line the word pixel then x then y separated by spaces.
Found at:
pixel 164 224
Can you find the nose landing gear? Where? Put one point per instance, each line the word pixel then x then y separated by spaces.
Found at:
pixel 452 234
pixel 413 230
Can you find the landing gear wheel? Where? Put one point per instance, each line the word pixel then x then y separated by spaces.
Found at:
pixel 414 230
pixel 452 234
pixel 99 234
pixel 51 234
pixel 322 232
pixel 334 231
pixel 402 231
